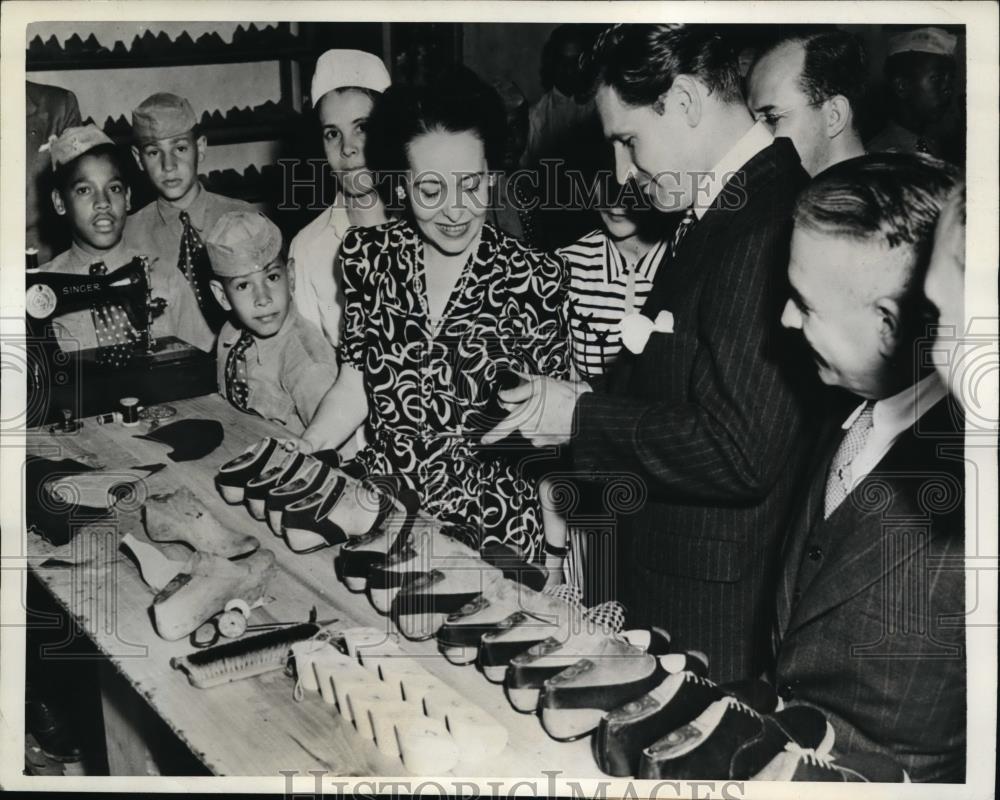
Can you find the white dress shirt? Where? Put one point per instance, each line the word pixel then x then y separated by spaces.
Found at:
pixel 711 184
pixel 890 417
pixel 318 294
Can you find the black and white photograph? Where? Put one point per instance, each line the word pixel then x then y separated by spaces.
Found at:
pixel 500 399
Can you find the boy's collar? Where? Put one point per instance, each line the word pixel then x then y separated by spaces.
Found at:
pixel 196 210
pixel 112 259
pixel 263 346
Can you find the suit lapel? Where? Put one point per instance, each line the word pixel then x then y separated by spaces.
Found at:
pixel 810 513
pixel 856 556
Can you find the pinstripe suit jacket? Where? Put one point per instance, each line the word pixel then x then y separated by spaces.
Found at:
pixel 709 419
pixel 871 602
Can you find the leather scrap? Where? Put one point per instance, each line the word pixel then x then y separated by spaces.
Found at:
pixel 189 439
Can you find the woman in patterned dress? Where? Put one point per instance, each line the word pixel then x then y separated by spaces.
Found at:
pixel 436 305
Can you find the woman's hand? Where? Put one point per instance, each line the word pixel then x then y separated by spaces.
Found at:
pixel 291 443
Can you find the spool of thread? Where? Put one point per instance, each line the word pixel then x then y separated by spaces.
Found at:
pixel 107 419
pixel 130 411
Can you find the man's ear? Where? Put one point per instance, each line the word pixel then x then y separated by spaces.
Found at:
pixel 838 114
pixel 290 274
pixel 687 97
pixel 201 143
pixel 220 294
pixel 57 203
pixel 138 157
pixel 889 322
pixel 128 200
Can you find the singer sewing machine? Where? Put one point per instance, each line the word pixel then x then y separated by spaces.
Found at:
pixel 91 381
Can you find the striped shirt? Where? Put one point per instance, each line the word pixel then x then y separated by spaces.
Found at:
pixel 602 290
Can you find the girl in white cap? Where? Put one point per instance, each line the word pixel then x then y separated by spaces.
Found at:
pixel 344 88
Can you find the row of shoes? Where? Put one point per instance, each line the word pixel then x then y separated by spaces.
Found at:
pixel 307 499
pixel 652 713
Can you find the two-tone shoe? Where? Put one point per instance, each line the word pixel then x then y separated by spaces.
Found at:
pixel 731 741
pixel 795 764
pixel 424 601
pixel 425 548
pixel 573 702
pixel 234 475
pixel 257 488
pixel 541 616
pixel 528 671
pixel 310 475
pixel 624 732
pixel 460 635
pixel 306 523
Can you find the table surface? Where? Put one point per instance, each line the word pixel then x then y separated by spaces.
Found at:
pixel 252 726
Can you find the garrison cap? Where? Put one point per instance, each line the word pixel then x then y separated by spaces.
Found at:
pixel 242 242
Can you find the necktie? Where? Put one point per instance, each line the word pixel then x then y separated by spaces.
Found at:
pixel 237 388
pixel 839 479
pixel 682 230
pixel 194 263
pixel 112 327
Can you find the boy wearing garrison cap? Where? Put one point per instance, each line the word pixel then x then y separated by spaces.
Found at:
pixel 169 149
pixel 91 193
pixel 920 72
pixel 271 361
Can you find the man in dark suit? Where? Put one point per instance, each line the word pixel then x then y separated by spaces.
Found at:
pixel 708 416
pixel 49 111
pixel 871 598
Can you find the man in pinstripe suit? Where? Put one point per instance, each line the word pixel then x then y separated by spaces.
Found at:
pixel 871 597
pixel 709 417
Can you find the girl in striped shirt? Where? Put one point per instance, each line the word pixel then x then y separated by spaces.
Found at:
pixel 611 273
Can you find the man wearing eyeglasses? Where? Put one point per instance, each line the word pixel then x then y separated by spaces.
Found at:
pixel 808 85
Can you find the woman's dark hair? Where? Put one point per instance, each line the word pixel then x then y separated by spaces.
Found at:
pixel 62 174
pixel 456 101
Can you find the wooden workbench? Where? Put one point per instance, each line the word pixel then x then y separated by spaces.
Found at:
pixel 251 727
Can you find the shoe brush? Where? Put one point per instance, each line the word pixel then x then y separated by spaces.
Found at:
pixel 244 658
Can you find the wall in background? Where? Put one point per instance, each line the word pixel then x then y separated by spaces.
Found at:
pixel 512 51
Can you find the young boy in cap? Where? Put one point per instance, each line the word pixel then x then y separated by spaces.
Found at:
pixel 169 149
pixel 271 361
pixel 920 71
pixel 91 193
pixel 344 88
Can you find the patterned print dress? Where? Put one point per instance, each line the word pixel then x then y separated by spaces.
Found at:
pixel 425 379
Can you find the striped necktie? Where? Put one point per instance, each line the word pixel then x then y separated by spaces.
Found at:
pixel 685 225
pixel 237 386
pixel 194 263
pixel 839 480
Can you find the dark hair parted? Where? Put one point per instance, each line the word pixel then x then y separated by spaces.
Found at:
pixel 456 102
pixel 835 63
pixel 641 62
pixel 64 173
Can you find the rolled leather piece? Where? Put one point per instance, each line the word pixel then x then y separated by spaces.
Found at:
pixel 235 474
